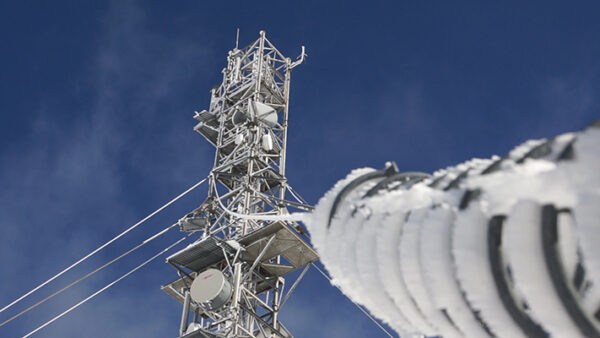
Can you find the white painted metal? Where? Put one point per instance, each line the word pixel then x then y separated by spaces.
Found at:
pixel 506 247
pixel 211 289
pixel 244 242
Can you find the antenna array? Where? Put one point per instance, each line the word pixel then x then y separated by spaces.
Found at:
pixel 232 279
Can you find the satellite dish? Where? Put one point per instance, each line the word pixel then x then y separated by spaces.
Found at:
pixel 264 113
pixel 211 289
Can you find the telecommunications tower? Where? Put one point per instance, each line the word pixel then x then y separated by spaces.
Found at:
pixel 231 280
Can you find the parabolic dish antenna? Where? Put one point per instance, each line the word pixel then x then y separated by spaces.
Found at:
pixel 211 289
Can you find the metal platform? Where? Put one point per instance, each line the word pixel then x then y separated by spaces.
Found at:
pixel 208 126
pixel 282 332
pixel 176 287
pixel 287 243
pixel 200 255
pixel 199 334
pixel 203 254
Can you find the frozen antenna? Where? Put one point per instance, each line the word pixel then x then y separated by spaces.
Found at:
pixel 231 281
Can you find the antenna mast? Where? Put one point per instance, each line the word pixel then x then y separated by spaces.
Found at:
pixel 231 280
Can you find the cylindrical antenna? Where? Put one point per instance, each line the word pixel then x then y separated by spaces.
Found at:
pixel 237 38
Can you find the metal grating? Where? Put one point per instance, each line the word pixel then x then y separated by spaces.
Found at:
pixel 199 334
pixel 287 243
pixel 200 255
pixel 176 287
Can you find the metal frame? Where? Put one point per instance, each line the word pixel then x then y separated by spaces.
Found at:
pixel 247 123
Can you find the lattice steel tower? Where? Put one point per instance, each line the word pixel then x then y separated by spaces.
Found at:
pixel 231 279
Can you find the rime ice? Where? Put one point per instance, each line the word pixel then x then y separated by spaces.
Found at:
pixel 505 246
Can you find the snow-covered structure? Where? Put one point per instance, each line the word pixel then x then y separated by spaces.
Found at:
pixel 500 247
pixel 232 279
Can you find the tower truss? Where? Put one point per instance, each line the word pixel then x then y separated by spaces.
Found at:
pixel 231 280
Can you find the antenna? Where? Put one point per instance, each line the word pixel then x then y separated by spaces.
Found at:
pixel 231 280
pixel 237 38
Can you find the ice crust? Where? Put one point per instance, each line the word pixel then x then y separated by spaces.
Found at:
pixel 524 251
pixel 420 263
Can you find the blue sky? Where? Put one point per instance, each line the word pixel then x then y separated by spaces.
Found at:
pixel 97 99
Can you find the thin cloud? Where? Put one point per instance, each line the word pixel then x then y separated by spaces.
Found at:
pixel 64 186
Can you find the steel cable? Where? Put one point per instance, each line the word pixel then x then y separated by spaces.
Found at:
pixel 106 287
pixel 358 306
pixel 104 245
pixel 148 240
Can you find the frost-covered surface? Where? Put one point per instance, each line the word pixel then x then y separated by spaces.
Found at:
pixel 524 251
pixel 420 262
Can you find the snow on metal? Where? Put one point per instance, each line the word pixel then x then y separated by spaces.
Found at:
pixel 500 247
pixel 248 240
